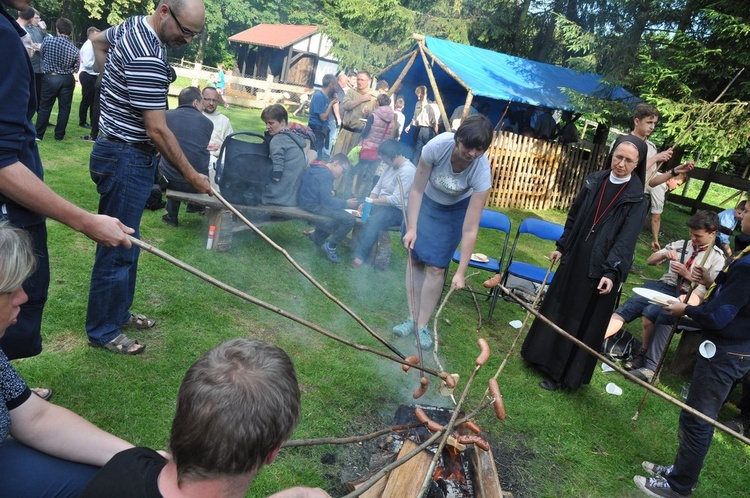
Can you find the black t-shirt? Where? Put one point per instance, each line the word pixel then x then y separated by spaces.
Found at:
pixel 129 474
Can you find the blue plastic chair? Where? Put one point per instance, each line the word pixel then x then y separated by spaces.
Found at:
pixel 491 220
pixel 541 229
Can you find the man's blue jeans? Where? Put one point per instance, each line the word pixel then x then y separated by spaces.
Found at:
pixel 712 380
pixel 123 176
pixel 381 217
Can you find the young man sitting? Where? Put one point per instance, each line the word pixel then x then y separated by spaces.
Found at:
pixel 681 255
pixel 316 195
pixel 236 405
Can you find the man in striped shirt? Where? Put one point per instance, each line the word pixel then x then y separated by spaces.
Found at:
pixel 135 81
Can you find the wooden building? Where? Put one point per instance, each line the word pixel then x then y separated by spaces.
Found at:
pixel 293 54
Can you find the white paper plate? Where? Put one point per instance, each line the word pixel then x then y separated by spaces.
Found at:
pixel 353 212
pixel 654 297
pixel 479 257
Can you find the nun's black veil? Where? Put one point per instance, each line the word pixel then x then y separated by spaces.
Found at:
pixel 640 170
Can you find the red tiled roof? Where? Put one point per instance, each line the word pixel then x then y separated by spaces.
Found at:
pixel 274 35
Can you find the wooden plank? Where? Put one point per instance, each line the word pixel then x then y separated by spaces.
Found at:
pixel 407 479
pixel 376 491
pixel 487 483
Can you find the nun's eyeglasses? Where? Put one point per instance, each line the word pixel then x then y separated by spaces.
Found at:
pixel 620 158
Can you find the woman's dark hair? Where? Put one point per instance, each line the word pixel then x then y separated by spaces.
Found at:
pixel 276 112
pixel 475 132
pixel 390 149
pixel 383 99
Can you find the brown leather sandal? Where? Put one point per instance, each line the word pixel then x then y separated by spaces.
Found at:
pixel 138 321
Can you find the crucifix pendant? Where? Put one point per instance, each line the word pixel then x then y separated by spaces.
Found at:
pixel 590 232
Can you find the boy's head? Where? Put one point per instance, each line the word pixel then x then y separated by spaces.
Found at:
pixel 702 226
pixel 399 104
pixel 644 120
pixel 339 164
pixel 739 210
pixel 675 181
pixel 236 405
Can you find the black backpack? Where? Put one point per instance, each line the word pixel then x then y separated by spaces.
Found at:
pixel 620 346
pixel 244 168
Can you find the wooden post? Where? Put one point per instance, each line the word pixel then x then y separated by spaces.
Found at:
pixel 433 83
pixel 403 73
pixel 706 184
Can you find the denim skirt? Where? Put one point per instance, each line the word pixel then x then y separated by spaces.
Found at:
pixel 439 230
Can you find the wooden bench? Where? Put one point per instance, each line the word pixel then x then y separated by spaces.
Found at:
pixel 226 224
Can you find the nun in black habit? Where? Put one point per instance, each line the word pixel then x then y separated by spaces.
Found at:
pixel 595 253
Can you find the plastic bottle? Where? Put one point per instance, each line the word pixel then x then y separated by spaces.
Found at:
pixel 366 209
pixel 211 233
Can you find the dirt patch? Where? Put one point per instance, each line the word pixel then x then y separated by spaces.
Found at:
pixel 62 342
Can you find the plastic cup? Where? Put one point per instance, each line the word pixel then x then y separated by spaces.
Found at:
pixel 613 388
pixel 707 349
pixel 606 368
pixel 516 324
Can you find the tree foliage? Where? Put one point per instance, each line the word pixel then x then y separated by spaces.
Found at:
pixel 677 54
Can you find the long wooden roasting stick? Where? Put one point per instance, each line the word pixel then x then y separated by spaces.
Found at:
pixel 523 326
pixel 309 277
pixel 707 110
pixel 435 324
pixel 673 330
pixel 626 374
pixel 479 363
pixel 242 295
pixel 348 440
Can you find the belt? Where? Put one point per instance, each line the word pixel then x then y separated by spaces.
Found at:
pixel 60 74
pixel 142 146
pixel 353 130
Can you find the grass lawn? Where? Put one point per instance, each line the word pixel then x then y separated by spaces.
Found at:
pixel 546 447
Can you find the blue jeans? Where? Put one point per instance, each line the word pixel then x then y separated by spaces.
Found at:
pixel 381 217
pixel 633 307
pixel 55 87
pixel 28 472
pixel 24 339
pixel 712 380
pixel 123 176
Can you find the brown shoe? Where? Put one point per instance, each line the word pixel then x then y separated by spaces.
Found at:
pixel 493 282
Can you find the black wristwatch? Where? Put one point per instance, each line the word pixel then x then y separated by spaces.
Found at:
pixel 674 173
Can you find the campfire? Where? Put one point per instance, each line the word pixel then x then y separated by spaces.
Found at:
pixel 463 470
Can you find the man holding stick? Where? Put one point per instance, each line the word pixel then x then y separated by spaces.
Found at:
pixel 135 81
pixel 724 318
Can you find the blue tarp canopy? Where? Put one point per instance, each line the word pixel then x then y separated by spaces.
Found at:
pixel 502 77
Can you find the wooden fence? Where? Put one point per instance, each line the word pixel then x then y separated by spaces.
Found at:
pixel 537 175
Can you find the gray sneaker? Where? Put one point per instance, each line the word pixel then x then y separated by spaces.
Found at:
pixel 643 373
pixel 331 254
pixel 656 469
pixel 657 487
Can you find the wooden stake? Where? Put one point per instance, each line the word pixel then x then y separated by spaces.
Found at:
pixel 625 374
pixel 242 295
pixel 305 274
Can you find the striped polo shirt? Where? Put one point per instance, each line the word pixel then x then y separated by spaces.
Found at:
pixel 136 78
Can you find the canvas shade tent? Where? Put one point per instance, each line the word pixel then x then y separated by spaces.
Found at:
pixel 463 72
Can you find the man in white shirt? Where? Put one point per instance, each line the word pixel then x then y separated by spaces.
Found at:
pixel 222 126
pixel 87 78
